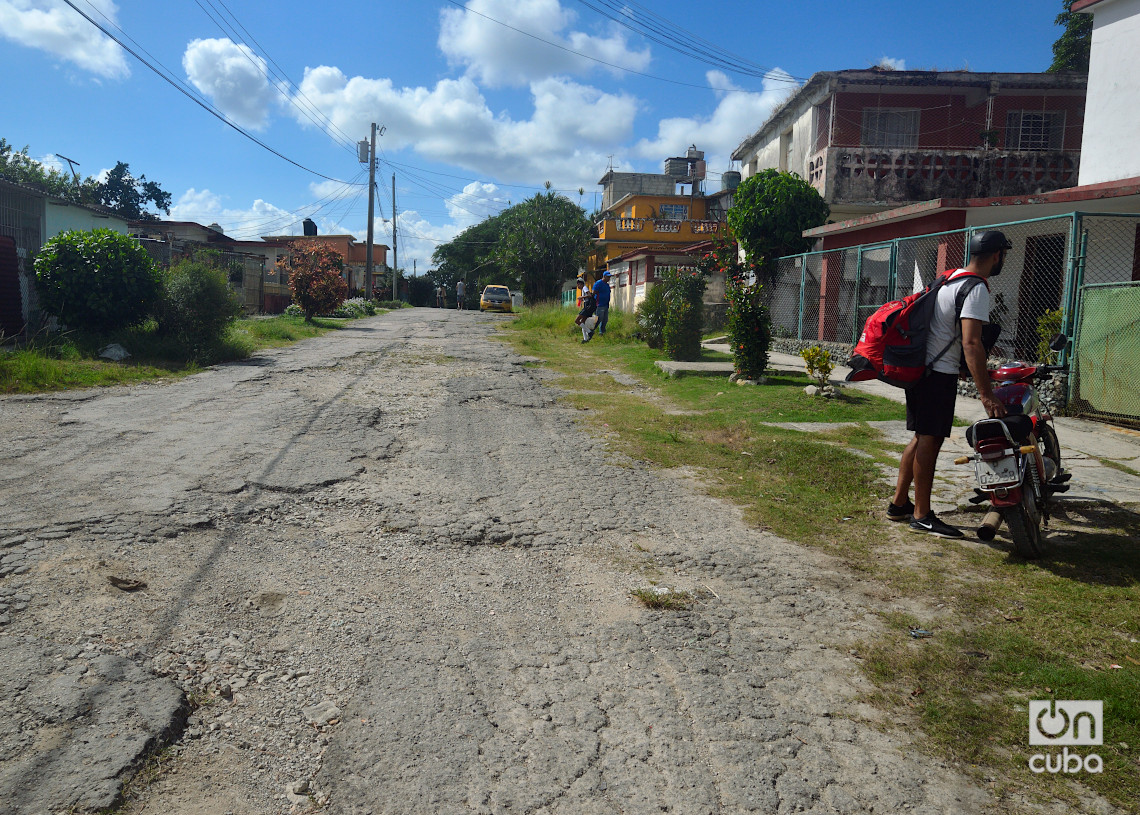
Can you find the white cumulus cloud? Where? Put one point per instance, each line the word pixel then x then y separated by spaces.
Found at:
pixel 233 77
pixel 52 26
pixel 736 116
pixel 566 140
pixel 485 37
pixel 249 223
pixel 892 63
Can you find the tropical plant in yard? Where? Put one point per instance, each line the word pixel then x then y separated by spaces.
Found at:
pixel 769 213
pixel 98 281
pixel 747 317
pixel 315 279
pixel 817 361
pixel 749 328
pixel 681 332
pixel 650 315
pixel 197 307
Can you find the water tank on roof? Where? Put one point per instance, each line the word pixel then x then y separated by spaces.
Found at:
pixel 677 167
pixel 730 180
pixel 694 154
pixel 310 227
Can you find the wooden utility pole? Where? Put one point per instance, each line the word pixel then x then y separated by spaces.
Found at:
pixel 395 255
pixel 371 210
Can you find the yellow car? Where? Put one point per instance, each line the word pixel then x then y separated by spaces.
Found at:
pixel 495 298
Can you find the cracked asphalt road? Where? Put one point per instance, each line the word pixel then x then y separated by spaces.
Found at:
pixel 393 572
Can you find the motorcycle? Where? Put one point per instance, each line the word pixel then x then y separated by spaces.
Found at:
pixel 1017 458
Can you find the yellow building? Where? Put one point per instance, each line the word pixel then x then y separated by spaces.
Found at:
pixel 650 215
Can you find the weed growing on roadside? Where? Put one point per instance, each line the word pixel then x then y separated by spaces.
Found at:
pixel 664 598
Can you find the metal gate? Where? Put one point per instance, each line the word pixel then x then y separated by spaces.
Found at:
pixel 1105 380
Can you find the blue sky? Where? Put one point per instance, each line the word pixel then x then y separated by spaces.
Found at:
pixel 477 115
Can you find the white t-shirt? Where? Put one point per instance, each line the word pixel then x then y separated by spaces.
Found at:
pixel 944 327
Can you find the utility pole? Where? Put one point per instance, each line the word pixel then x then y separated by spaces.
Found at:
pixel 395 255
pixel 371 210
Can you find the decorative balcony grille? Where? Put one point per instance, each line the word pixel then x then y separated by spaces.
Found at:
pixel 704 227
pixel 666 226
pixel 850 174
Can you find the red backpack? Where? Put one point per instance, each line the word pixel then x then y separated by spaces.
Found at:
pixel 892 347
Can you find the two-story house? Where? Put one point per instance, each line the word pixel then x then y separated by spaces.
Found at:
pixel 650 220
pixel 870 140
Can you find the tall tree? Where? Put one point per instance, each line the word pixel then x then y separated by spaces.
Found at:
pixel 18 166
pixel 544 241
pixel 469 256
pixel 128 196
pixel 1072 48
pixel 121 192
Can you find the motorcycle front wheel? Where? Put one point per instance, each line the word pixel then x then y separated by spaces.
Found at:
pixel 1024 524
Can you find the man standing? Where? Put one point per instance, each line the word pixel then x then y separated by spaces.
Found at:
pixel 460 290
pixel 602 302
pixel 930 401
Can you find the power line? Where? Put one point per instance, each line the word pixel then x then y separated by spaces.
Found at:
pixel 206 107
pixel 661 31
pixel 772 77
pixel 275 76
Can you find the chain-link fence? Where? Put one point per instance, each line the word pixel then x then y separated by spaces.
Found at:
pixel 245 272
pixel 1042 289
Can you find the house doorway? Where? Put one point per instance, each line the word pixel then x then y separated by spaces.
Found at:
pixel 1042 281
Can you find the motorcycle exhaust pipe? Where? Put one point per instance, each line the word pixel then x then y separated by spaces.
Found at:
pixel 990 525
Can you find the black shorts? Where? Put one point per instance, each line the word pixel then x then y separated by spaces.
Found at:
pixel 930 404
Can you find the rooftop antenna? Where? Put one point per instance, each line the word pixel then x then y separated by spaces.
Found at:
pixel 71 163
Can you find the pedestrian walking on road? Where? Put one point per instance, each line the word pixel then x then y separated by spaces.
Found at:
pixel 441 297
pixel 586 316
pixel 602 293
pixel 930 401
pixel 460 291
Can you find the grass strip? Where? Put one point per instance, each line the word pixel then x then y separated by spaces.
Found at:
pixel 71 360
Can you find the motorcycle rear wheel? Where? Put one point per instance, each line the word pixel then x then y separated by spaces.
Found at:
pixel 1024 524
pixel 1051 448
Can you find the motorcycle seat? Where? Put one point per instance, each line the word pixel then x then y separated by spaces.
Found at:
pixel 1019 426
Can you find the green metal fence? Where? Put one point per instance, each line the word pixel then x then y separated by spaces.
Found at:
pixel 1106 368
pixel 827 296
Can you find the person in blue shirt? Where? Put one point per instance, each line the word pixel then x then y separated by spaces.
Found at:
pixel 602 297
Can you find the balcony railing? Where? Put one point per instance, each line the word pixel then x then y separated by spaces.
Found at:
pixel 845 174
pixel 658 226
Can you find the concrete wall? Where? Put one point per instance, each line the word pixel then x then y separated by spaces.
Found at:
pixel 768 155
pixel 618 185
pixel 1112 113
pixel 61 217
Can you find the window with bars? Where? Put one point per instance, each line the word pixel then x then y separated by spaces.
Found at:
pixel 890 127
pixel 673 212
pixel 1035 130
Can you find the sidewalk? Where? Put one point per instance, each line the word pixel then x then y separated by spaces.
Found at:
pixel 1085 445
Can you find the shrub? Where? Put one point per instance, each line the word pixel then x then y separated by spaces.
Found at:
pixel 294 310
pixel 681 334
pixel 97 281
pixel 355 308
pixel 197 307
pixel 651 315
pixel 817 360
pixel 1048 326
pixel 315 278
pixel 749 328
